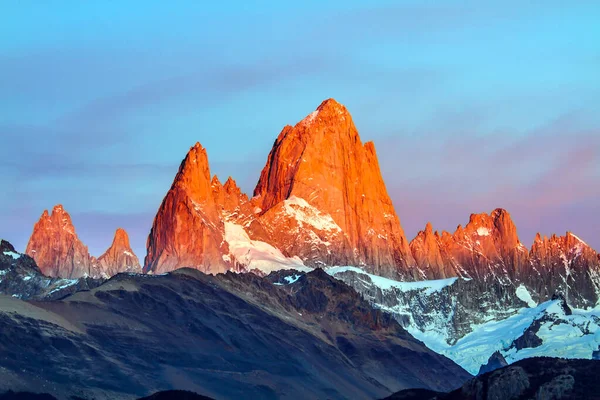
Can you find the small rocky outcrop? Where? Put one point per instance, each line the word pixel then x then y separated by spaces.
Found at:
pixel 119 257
pixel 496 361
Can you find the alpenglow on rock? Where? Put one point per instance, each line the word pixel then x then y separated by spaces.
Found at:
pixel 488 244
pixel 322 198
pixel 188 229
pixel 59 252
pixel 56 248
pixel 119 257
pixel 489 251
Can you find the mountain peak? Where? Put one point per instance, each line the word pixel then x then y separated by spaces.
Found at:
pixel 215 181
pixel 187 230
pixel 332 106
pixel 6 246
pixel 498 223
pixel 196 155
pixel 119 257
pixel 55 247
pixel 58 209
pixel 230 185
pixel 322 161
pixel 194 173
pixel 327 113
pixel 425 248
pixel 572 237
pixel 121 238
pixel 428 228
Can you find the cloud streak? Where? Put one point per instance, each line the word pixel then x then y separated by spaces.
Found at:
pixel 547 179
pixel 461 100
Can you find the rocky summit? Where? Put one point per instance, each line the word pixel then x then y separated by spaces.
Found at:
pixel 58 251
pixel 188 229
pixel 488 244
pixel 324 186
pixel 488 250
pixel 321 201
pixel 56 248
pixel 320 198
pixel 119 257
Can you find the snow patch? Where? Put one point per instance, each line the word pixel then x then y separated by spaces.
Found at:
pixel 292 279
pixel 523 294
pixel 309 118
pixel 63 284
pixel 483 231
pixel 12 254
pixel 565 336
pixel 128 253
pixel 562 336
pixel 254 254
pixel 304 213
pixel 429 287
pixel 576 237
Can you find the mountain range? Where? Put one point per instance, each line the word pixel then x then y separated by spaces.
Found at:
pixel 320 201
pixel 318 252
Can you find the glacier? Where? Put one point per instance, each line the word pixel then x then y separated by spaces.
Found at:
pixel 427 310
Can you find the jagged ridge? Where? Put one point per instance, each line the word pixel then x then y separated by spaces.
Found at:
pixel 58 251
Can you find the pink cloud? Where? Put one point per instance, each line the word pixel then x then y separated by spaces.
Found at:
pixel 547 179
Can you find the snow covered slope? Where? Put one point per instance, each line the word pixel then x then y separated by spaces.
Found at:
pixel 444 308
pixel 428 287
pixel 257 255
pixel 560 335
pixel 455 320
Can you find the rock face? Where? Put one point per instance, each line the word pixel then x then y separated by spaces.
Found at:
pixel 323 199
pixel 119 257
pixel 320 198
pixel 446 309
pixel 467 319
pixel 495 362
pixel 57 250
pixel 488 250
pixel 565 263
pixel 536 378
pixel 231 202
pixel 188 229
pixel 488 244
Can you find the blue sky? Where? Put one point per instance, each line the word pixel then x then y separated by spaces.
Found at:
pixel 471 105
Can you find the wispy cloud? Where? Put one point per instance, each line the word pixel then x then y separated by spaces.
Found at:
pixel 534 175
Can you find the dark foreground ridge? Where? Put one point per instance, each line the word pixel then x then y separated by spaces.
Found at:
pixel 10 395
pixel 20 277
pixel 165 395
pixel 533 378
pixel 227 336
pixel 176 395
